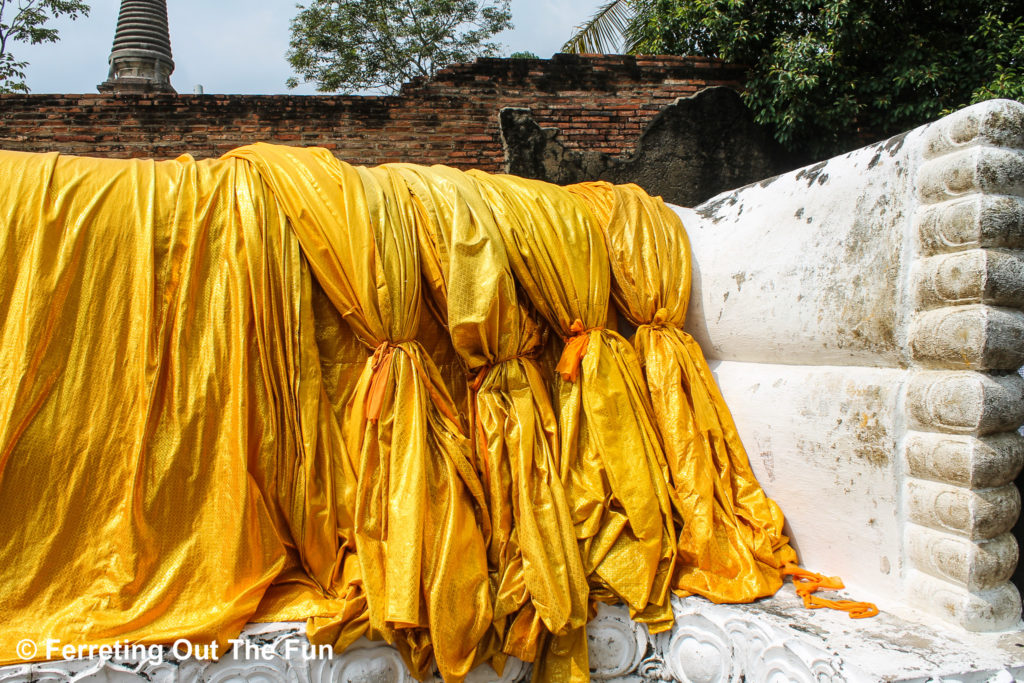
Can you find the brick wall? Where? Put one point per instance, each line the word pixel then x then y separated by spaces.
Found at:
pixel 599 103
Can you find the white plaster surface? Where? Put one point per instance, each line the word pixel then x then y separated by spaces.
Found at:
pixel 822 441
pixel 807 268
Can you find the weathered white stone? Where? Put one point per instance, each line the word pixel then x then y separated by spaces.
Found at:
pixel 775 280
pixel 999 123
pixel 977 566
pixel 373 664
pixel 977 220
pixel 995 609
pixel 616 645
pixel 698 649
pixel 969 277
pixel 966 461
pixel 778 640
pixel 928 323
pixel 965 402
pixel 976 337
pixel 987 170
pixel 821 441
pixel 979 514
pixel 782 641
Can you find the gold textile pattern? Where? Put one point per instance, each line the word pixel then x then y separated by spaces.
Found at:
pixel 275 386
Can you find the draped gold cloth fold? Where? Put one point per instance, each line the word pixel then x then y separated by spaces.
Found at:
pixel 611 461
pixel 418 538
pixel 150 316
pixel 536 571
pixel 731 547
pixel 275 386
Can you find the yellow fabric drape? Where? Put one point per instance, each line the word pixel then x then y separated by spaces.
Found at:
pixel 417 499
pixel 610 459
pixel 731 547
pixel 150 314
pixel 536 569
pixel 220 402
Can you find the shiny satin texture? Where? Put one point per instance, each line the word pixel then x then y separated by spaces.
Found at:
pixel 610 459
pixel 146 454
pixel 536 571
pixel 731 547
pixel 390 401
pixel 419 539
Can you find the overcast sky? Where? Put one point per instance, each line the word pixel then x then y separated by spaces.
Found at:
pixel 238 46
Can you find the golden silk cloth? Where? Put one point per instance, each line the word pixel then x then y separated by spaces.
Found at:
pixel 275 387
pixel 731 546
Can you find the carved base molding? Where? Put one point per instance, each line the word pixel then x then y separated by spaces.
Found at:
pixel 774 640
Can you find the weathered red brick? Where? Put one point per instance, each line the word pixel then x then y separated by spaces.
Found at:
pixel 598 102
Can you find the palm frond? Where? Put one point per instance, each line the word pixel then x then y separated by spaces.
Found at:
pixel 636 35
pixel 604 32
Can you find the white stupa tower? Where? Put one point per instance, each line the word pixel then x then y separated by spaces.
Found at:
pixel 140 61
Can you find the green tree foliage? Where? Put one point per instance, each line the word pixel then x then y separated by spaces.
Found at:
pixel 351 45
pixel 823 70
pixel 26 21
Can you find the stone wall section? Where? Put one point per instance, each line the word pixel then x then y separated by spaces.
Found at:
pixel 598 103
pixel 695 148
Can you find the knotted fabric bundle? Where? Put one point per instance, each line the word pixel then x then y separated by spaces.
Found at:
pixel 731 547
pixel 278 387
pixel 540 587
pixel 418 501
pixel 610 458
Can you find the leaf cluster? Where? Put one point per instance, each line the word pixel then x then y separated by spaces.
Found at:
pixel 26 21
pixel 351 45
pixel 615 27
pixel 826 74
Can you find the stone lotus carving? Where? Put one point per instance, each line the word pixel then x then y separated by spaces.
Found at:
pixel 722 644
pixel 709 644
pixel 617 644
pixel 697 650
pixel 268 656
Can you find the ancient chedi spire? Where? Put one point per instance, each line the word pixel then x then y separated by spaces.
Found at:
pixel 140 61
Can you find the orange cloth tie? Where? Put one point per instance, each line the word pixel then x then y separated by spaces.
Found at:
pixel 481 373
pixel 382 357
pixel 575 348
pixel 806 583
pixel 479 379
